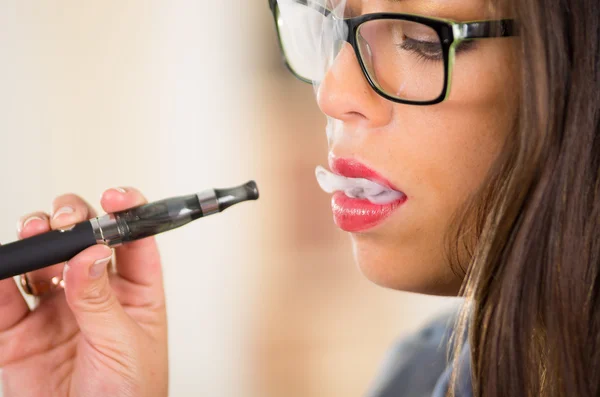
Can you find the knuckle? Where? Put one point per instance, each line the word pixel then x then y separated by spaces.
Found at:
pixel 97 298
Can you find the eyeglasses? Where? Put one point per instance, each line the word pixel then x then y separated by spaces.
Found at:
pixel 405 58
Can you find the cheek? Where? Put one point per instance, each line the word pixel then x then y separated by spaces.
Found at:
pixel 441 170
pixel 451 147
pixel 445 158
pixel 441 155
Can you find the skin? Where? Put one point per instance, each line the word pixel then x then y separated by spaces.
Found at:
pixel 106 334
pixel 437 155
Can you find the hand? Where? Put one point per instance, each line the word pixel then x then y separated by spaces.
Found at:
pixel 106 334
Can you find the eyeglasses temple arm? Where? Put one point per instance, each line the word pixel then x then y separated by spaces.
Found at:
pixel 484 29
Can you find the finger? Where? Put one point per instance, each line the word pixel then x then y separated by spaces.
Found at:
pixel 70 209
pixel 12 305
pixel 67 210
pixel 31 225
pixel 97 311
pixel 138 261
pixel 40 331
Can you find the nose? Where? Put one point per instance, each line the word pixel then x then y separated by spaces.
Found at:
pixel 345 94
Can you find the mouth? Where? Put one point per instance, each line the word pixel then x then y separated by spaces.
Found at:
pixel 362 198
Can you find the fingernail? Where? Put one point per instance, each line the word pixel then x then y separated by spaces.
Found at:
pixel 21 225
pixel 120 190
pixel 99 267
pixel 63 210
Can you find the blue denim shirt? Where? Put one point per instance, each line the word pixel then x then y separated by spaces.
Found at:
pixel 417 365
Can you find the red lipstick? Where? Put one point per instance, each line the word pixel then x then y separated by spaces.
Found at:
pixel 356 215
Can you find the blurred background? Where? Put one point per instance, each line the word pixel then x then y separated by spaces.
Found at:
pixel 173 98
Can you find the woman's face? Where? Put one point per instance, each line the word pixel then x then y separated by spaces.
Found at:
pixel 436 155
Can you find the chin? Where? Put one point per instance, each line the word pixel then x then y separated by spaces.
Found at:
pixel 404 270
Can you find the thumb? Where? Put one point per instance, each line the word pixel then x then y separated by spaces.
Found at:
pixel 97 310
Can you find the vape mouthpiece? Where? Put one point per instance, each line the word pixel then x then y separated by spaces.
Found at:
pixel 228 197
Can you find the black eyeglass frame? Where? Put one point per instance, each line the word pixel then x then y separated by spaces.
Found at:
pixel 451 34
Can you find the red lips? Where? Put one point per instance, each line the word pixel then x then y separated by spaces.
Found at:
pixel 355 169
pixel 355 215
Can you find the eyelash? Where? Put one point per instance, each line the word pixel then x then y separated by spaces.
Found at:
pixel 416 47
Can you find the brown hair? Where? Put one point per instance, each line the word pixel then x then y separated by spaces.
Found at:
pixel 532 283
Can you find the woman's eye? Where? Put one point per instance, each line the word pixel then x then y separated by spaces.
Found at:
pixel 430 50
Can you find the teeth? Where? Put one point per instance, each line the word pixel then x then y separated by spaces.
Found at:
pixel 358 188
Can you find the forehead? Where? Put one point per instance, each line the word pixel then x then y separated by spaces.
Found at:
pixel 452 9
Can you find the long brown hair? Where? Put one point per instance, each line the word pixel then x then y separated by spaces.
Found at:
pixel 532 283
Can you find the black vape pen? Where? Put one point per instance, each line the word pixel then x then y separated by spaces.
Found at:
pixel 59 246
